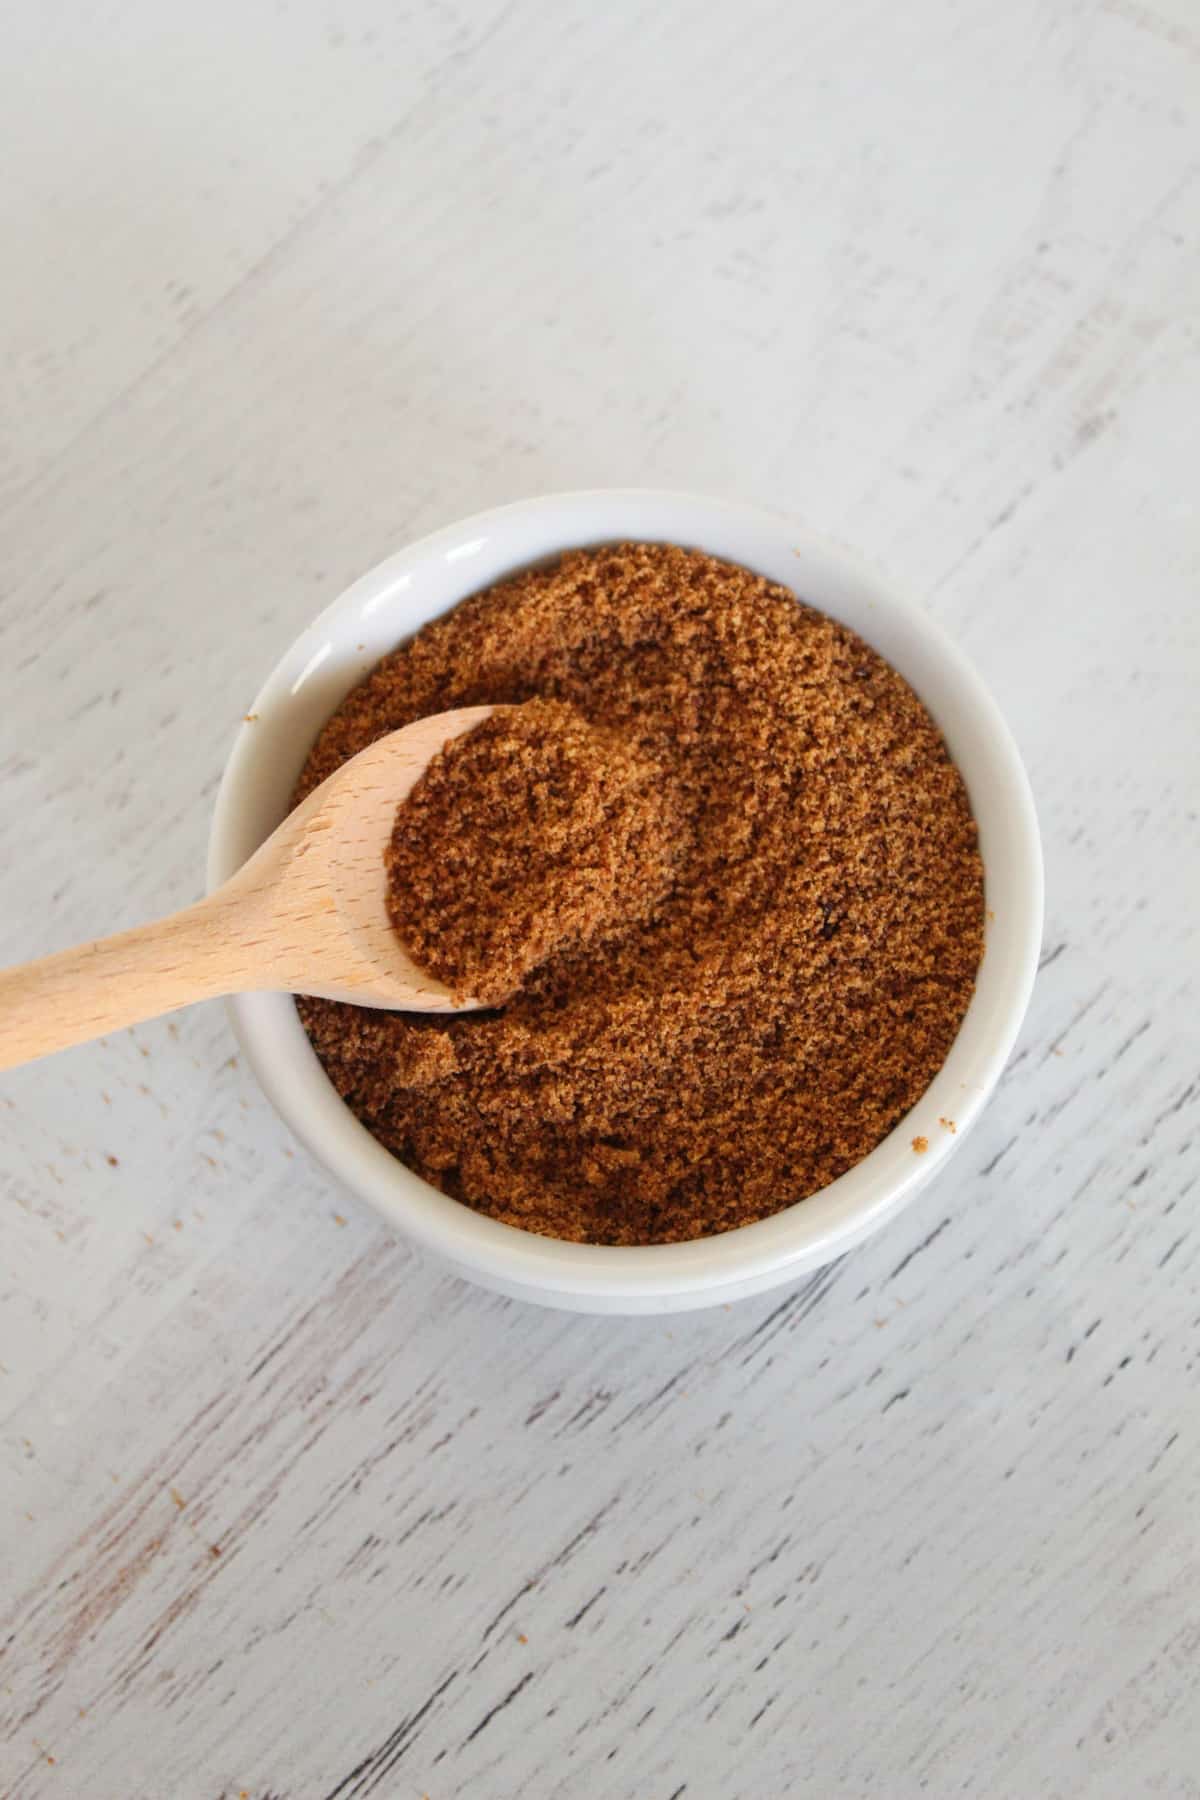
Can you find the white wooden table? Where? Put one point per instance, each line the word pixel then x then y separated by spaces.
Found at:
pixel 285 1512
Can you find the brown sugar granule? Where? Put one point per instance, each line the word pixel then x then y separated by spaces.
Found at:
pixel 792 992
pixel 535 832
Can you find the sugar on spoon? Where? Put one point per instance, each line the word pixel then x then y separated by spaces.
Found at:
pixel 307 914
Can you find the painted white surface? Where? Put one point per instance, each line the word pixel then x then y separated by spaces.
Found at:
pixel 928 276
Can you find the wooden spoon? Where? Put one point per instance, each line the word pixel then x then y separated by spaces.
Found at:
pixel 305 915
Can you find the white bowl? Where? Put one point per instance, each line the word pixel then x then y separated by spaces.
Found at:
pixel 418 584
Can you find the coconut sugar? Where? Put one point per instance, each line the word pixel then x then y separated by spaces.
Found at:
pixel 718 874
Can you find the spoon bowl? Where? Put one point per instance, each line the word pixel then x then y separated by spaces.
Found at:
pixel 322 873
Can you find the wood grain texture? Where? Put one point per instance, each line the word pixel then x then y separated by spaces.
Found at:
pixel 286 1512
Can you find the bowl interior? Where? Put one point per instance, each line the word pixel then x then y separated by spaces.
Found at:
pixel 417 585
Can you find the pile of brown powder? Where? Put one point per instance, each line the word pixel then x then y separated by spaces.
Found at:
pixel 764 1014
pixel 534 832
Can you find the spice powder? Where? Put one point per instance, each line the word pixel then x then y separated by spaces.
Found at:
pixel 742 972
pixel 531 833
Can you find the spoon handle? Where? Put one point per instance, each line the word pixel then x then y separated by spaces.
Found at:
pixel 205 950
